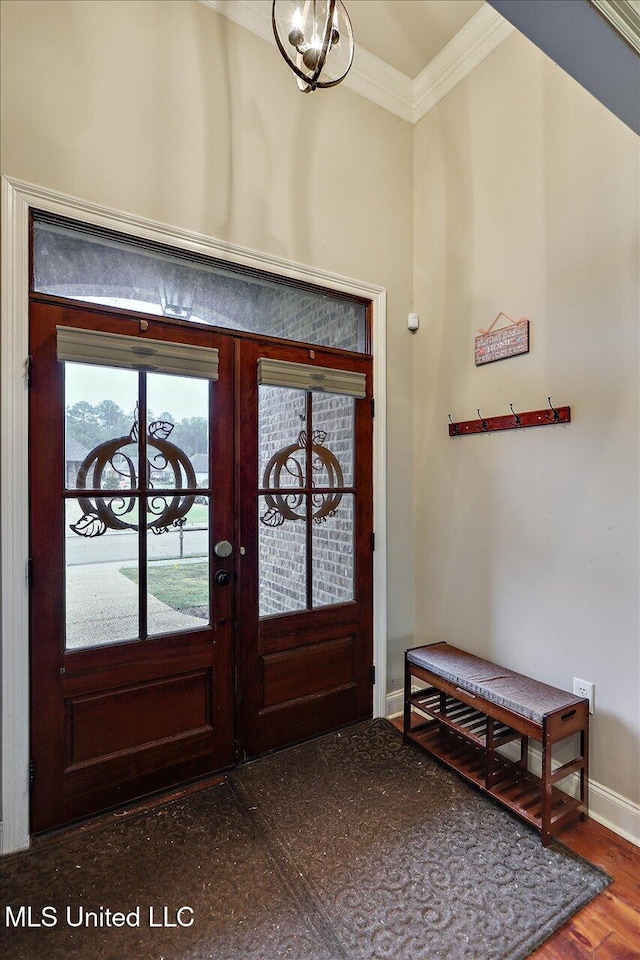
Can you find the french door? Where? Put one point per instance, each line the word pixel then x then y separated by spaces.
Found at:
pixel 200 541
pixel 305 644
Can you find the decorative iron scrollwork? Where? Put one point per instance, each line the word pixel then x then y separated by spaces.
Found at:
pixel 287 506
pixel 101 514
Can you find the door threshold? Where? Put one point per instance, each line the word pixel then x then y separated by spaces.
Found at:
pixel 134 807
pixel 341 728
pixel 129 809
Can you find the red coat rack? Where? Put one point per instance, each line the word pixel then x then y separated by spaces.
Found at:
pixel 512 421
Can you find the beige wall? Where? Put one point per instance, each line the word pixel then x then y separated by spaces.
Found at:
pixel 526 200
pixel 170 111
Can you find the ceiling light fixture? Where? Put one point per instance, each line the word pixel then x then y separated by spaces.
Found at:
pixel 316 40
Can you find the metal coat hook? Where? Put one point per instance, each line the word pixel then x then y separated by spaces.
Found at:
pixel 511 421
pixel 556 413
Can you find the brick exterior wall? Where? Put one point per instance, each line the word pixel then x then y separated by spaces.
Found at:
pixel 282 551
pixel 313 318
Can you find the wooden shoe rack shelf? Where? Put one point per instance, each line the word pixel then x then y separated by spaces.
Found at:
pixel 466 708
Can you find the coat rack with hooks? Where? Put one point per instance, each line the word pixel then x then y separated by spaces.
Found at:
pixel 511 421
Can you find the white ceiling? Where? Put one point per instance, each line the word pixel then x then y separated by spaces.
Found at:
pixel 408 33
pixel 409 53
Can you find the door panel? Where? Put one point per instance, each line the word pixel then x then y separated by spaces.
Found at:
pixel 318 667
pixel 306 573
pixel 164 709
pixel 132 639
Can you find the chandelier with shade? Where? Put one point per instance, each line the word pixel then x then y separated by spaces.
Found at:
pixel 316 40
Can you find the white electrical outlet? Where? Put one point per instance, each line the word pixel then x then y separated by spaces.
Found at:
pixel 582 688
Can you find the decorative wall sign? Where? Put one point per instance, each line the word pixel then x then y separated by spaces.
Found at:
pixel 504 342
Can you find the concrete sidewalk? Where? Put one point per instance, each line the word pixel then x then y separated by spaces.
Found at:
pixel 102 607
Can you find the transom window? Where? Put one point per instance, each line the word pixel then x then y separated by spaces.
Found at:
pixel 79 262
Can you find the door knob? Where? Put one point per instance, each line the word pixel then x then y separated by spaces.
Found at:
pixel 223 548
pixel 222 577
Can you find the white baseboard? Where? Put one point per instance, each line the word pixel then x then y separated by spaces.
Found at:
pixel 395 703
pixel 609 808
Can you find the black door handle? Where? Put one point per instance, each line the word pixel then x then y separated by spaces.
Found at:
pixel 222 577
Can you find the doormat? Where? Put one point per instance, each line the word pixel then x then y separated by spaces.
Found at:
pixel 350 847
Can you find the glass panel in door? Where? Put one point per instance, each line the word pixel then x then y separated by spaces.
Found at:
pixel 127 579
pixel 306 507
pixel 178 524
pixel 100 532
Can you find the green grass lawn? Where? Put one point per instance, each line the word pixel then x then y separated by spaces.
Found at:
pixel 182 586
pixel 198 515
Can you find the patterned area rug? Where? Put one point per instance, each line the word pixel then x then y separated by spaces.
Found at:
pixel 351 847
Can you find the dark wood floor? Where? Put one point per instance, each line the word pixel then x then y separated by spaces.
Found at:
pixel 608 928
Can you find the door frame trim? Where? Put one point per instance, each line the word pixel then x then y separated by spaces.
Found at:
pixel 18 197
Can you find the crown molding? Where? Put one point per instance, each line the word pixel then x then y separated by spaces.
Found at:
pixel 485 31
pixel 623 16
pixel 253 15
pixel 378 81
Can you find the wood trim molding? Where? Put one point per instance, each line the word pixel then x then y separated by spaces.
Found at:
pixel 378 81
pixel 484 32
pixel 14 518
pixel 623 16
pixel 253 15
pixel 17 198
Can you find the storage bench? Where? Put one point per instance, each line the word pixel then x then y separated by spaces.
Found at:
pixel 467 707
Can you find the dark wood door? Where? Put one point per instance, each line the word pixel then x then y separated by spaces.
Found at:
pixel 131 634
pixel 305 574
pixel 201 557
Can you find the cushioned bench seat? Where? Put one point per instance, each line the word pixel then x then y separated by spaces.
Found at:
pixel 465 710
pixel 518 693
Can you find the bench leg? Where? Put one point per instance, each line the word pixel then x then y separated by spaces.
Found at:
pixel 489 755
pixel 407 700
pixel 546 790
pixel 523 763
pixel 584 773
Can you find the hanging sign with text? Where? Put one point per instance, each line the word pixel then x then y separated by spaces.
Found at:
pixel 508 341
